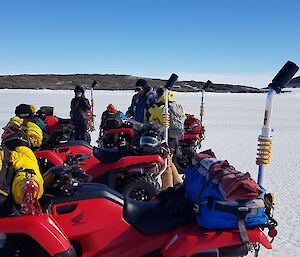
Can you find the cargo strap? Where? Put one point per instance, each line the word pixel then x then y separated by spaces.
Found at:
pixel 242 214
pixel 241 211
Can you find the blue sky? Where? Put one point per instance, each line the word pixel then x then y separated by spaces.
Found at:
pixel 233 41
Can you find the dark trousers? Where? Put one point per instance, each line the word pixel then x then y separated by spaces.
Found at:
pixel 80 129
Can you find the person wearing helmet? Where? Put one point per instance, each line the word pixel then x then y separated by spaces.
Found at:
pixel 111 113
pixel 141 101
pixel 171 176
pixel 79 113
pixel 111 118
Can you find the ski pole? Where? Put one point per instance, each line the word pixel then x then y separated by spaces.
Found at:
pixel 205 87
pixel 166 115
pixel 92 104
pixel 92 95
pixel 265 139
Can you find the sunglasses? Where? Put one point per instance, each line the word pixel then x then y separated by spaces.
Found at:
pixel 138 89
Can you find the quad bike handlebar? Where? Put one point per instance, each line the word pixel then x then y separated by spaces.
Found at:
pixel 63 180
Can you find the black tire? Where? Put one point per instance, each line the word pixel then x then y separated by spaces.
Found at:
pixel 183 159
pixel 139 187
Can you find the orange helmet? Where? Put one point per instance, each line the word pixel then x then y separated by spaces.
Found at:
pixel 111 108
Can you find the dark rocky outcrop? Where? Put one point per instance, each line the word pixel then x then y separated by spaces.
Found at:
pixel 295 82
pixel 108 82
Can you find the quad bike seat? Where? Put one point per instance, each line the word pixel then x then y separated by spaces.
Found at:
pixel 152 217
pixel 91 191
pixel 111 155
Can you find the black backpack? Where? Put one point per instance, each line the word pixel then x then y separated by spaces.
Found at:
pixel 111 121
pixel 23 111
pixel 46 110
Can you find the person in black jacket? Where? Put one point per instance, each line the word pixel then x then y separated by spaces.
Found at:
pixel 79 113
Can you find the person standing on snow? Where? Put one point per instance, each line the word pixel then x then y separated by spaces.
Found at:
pixel 79 113
pixel 141 102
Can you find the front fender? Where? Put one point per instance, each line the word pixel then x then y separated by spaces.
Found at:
pixel 43 229
pixel 49 155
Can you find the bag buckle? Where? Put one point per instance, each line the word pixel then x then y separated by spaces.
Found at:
pixel 243 209
pixel 242 212
pixel 196 208
pixel 2 192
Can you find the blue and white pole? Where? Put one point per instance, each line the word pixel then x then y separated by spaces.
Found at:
pixel 265 139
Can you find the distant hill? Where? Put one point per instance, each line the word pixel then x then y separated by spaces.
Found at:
pixel 108 82
pixel 295 82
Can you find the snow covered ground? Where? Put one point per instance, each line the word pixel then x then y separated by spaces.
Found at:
pixel 232 122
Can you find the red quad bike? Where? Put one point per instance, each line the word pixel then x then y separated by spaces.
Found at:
pixel 131 172
pixel 59 130
pixel 94 220
pixel 194 134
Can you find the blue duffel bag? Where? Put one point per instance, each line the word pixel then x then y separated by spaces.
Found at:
pixel 213 211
